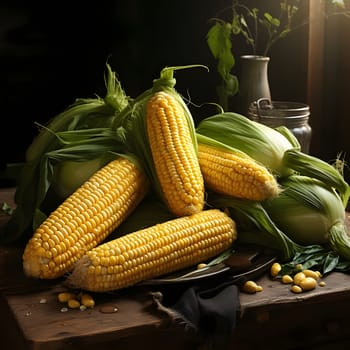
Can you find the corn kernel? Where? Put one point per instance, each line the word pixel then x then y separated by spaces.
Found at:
pixel 298 277
pixel 73 303
pixel 63 297
pixel 259 288
pixel 308 283
pixel 275 269
pixel 250 287
pixel 287 279
pixel 296 289
pixel 299 267
pixel 201 266
pixel 87 300
pixel 310 273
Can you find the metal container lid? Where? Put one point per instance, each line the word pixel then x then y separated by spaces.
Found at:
pixel 274 113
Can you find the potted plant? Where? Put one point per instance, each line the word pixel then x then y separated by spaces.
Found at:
pixel 259 31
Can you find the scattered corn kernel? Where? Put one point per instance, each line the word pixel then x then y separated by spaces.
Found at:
pixel 73 303
pixel 259 288
pixel 322 284
pixel 87 300
pixel 296 289
pixel 298 277
pixel 250 287
pixel 275 269
pixel 287 279
pixel 65 296
pixel 298 266
pixel 319 274
pixel 308 283
pixel 201 266
pixel 310 273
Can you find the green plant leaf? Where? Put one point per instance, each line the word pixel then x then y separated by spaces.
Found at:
pixel 231 85
pixel 220 45
pixel 272 20
pixel 330 262
pixel 235 24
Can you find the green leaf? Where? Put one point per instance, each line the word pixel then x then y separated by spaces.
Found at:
pixel 343 266
pixel 243 21
pixel 217 38
pixel 225 64
pixel 254 12
pixel 330 262
pixel 316 257
pixel 220 45
pixel 285 32
pixel 235 25
pixel 272 20
pixel 231 85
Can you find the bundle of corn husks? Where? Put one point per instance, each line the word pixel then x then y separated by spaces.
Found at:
pixel 217 184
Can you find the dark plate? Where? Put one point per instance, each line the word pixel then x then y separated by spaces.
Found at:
pixel 244 263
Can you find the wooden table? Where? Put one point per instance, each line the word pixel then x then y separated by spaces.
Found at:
pixel 31 316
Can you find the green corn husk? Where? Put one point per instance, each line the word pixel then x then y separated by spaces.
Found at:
pixel 82 153
pixel 260 142
pixel 255 226
pixel 314 167
pixel 310 213
pixel 81 133
pixel 277 149
pixel 84 113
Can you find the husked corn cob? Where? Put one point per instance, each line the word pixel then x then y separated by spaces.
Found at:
pixel 84 219
pixel 231 174
pixel 174 155
pixel 154 251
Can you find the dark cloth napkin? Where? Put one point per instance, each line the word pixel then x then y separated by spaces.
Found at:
pixel 207 310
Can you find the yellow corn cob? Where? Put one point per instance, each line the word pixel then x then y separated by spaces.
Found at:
pixel 174 155
pixel 84 219
pixel 154 251
pixel 231 174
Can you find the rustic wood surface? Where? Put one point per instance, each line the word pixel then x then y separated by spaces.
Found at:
pixel 31 316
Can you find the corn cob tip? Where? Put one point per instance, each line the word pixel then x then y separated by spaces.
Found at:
pixel 32 263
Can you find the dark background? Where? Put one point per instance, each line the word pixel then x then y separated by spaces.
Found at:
pixel 54 52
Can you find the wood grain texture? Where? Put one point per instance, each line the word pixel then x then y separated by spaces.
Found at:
pixel 31 316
